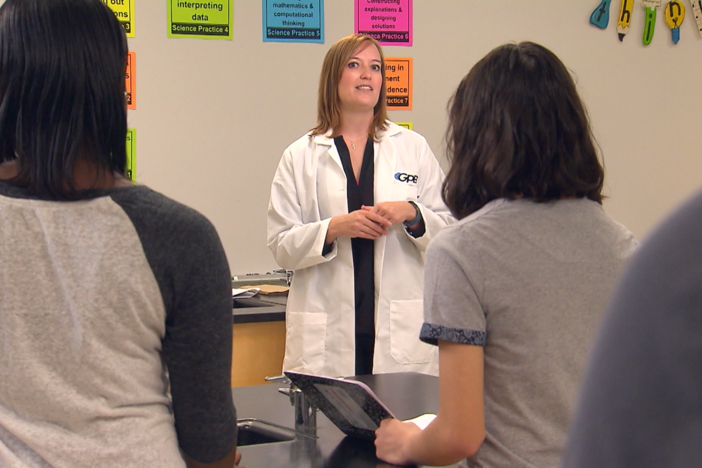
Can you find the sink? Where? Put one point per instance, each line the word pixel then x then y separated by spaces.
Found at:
pixel 254 432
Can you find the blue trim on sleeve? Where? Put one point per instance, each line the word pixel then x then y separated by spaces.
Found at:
pixel 431 334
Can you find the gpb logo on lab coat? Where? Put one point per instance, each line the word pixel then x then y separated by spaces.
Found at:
pixel 409 178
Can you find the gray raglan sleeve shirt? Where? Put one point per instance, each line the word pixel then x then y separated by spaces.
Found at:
pixel 190 266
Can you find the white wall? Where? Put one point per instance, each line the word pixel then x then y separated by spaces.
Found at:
pixel 213 117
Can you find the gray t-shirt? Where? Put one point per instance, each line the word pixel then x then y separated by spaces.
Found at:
pixel 528 282
pixel 99 297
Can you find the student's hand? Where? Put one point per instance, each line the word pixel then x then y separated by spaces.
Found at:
pixel 396 212
pixel 392 439
pixel 360 223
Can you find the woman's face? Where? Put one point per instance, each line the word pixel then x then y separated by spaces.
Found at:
pixel 359 86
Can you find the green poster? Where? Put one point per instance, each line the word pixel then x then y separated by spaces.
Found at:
pixel 210 19
pixel 131 154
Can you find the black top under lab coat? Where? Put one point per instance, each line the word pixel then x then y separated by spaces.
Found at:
pixel 360 193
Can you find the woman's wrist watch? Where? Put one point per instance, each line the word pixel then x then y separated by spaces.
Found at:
pixel 416 219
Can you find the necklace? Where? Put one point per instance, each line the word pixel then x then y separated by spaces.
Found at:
pixel 352 142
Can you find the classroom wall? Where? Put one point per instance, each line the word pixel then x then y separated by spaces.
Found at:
pixel 213 117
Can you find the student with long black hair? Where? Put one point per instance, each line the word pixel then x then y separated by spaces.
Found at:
pixel 109 292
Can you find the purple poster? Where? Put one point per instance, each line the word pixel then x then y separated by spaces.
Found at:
pixel 388 21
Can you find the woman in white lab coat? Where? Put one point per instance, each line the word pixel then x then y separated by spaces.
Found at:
pixel 353 206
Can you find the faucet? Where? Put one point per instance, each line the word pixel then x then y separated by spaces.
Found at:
pixel 305 411
pixel 288 275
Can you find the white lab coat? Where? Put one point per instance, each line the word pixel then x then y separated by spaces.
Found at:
pixel 308 189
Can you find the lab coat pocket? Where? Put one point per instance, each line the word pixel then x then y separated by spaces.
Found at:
pixel 404 191
pixel 406 319
pixel 305 339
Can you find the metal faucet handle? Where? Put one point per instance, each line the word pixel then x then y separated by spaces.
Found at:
pixel 278 379
pixel 294 393
pixel 287 391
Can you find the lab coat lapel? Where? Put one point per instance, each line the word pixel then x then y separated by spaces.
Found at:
pixel 326 140
pixel 333 189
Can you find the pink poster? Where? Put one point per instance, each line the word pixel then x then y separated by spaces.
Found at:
pixel 388 21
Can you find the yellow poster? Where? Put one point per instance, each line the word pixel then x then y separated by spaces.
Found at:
pixel 201 20
pixel 124 11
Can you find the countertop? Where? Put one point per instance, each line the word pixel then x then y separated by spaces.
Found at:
pixel 259 308
pixel 406 394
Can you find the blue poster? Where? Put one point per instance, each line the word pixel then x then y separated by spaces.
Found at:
pixel 293 21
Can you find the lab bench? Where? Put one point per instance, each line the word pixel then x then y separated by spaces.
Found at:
pixel 258 339
pixel 406 394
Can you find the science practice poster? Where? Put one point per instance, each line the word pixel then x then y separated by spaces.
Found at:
pixel 388 21
pixel 211 19
pixel 124 11
pixel 130 80
pixel 131 154
pixel 398 83
pixel 293 21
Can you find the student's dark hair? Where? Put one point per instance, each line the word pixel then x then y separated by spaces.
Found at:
pixel 518 129
pixel 62 92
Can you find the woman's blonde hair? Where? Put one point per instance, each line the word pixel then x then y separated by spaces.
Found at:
pixel 328 104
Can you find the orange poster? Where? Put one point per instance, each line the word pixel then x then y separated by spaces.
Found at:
pixel 131 80
pixel 398 83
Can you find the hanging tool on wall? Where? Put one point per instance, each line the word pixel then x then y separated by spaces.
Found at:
pixel 697 13
pixel 626 8
pixel 650 25
pixel 674 16
pixel 600 17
